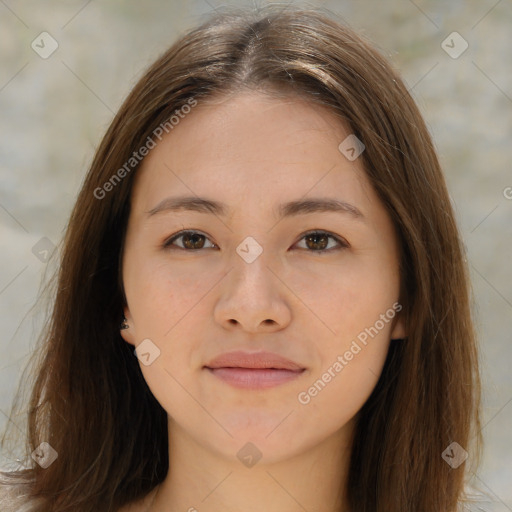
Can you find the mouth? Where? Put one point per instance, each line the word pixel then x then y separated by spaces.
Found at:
pixel 259 370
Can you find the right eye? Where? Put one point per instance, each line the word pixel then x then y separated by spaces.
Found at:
pixel 191 241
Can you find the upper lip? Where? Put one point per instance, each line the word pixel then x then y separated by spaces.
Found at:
pixel 240 359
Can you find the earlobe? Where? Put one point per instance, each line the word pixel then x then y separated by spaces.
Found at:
pixel 126 328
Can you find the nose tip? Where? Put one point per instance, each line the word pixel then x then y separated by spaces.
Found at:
pixel 251 299
pixel 266 322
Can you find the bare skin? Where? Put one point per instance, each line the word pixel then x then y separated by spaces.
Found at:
pixel 254 152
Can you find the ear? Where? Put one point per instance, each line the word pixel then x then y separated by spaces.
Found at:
pixel 128 335
pixel 398 332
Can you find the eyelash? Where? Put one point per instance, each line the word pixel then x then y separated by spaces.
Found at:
pixel 342 244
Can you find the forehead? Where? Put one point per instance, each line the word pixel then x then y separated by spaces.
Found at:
pixel 252 145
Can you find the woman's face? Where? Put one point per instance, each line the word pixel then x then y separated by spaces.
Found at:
pixel 252 279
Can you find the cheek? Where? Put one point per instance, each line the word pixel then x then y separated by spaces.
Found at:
pixel 166 301
pixel 345 298
pixel 160 294
pixel 348 373
pixel 353 308
pixel 163 298
pixel 337 397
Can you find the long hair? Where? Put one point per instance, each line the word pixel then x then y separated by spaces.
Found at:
pixel 90 401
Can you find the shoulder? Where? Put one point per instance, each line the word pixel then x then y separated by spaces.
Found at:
pixel 14 493
pixel 475 500
pixel 15 496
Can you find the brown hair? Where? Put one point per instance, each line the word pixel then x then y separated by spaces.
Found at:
pixel 90 401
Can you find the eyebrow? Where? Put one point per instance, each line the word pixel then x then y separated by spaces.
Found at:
pixel 288 209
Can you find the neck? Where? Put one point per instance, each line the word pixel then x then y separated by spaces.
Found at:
pixel 200 479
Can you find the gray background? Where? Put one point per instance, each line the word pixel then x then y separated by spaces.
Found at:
pixel 54 112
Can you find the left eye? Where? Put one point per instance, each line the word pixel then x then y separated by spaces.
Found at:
pixel 316 241
pixel 321 239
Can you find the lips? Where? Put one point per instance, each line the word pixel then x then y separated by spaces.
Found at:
pixel 254 370
pixel 255 360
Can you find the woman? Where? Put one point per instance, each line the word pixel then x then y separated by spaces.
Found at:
pixel 263 301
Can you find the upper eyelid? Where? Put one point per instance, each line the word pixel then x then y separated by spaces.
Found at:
pixel 184 232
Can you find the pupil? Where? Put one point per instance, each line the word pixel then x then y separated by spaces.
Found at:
pixel 189 238
pixel 315 237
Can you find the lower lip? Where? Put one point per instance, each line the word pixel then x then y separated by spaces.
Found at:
pixel 254 378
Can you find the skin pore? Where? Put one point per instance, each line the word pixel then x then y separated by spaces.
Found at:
pixel 197 298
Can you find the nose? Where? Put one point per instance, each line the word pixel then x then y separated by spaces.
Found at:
pixel 253 298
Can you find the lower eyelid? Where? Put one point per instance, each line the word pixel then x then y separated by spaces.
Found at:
pixel 340 241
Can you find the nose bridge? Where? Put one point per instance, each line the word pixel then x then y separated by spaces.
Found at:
pixel 250 265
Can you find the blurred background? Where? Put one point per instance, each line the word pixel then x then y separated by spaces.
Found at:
pixel 66 67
